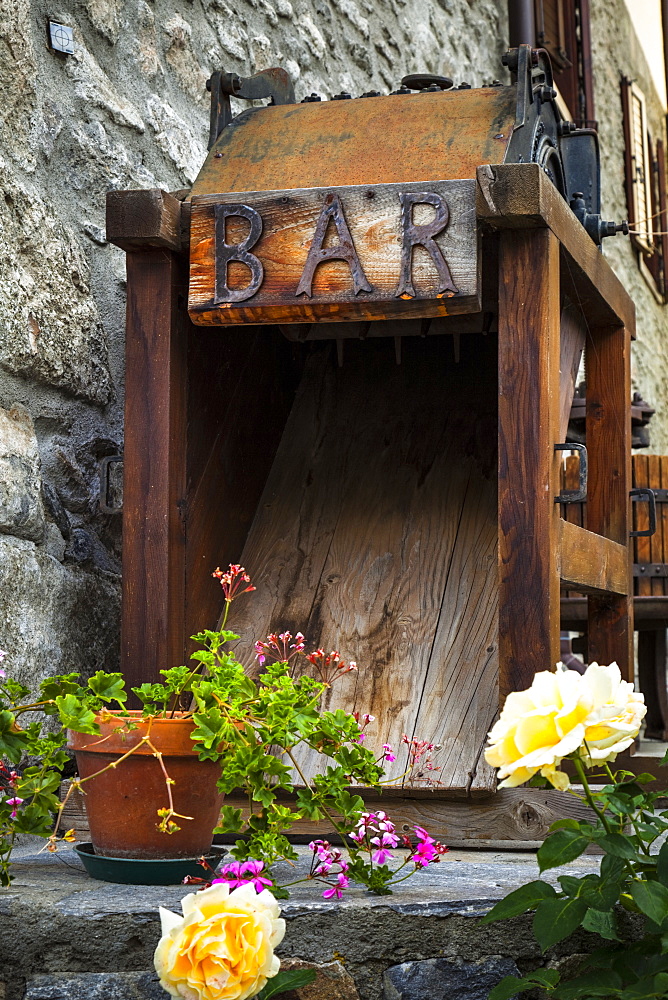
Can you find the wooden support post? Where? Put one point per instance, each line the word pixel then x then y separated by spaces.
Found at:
pixel 529 319
pixel 608 374
pixel 154 461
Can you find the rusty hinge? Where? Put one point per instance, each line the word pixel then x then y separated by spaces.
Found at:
pixel 108 490
pixel 656 570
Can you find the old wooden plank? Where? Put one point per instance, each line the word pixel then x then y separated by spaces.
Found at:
pixel 608 375
pixel 407 249
pixel 140 219
pixel 514 817
pixel 590 562
pixel 358 525
pixel 648 613
pixel 464 662
pixel 528 465
pixel 520 195
pixel 152 631
pixel 662 520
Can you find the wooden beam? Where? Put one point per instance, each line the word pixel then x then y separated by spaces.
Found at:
pixel 590 562
pixel 608 375
pixel 153 597
pixel 137 220
pixel 520 196
pixel 529 320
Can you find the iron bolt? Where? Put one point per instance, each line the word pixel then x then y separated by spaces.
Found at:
pixel 311 99
pixel 342 97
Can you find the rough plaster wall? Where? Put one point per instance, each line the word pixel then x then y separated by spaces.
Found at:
pixel 129 110
pixel 617 53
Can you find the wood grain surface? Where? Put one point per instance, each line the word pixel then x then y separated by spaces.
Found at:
pixel 372 215
pixel 529 326
pixel 521 196
pixel 590 562
pixel 376 536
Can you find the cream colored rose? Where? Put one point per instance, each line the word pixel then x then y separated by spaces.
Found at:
pixel 595 713
pixel 222 948
pixel 614 721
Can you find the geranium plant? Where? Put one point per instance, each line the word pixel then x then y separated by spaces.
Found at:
pixel 255 730
pixel 588 720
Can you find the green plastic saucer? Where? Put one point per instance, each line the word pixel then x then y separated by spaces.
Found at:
pixel 163 871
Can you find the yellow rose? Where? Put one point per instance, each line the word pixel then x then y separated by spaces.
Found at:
pixel 596 713
pixel 222 948
pixel 616 715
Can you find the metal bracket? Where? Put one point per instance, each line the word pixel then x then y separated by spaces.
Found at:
pixel 272 83
pixel 579 495
pixel 646 493
pixel 105 463
pixel 656 570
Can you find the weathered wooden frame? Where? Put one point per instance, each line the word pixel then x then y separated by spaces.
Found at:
pixel 181 452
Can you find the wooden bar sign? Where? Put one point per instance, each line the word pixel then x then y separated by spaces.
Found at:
pixel 375 252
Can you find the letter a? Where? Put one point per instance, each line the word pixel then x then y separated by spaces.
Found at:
pixel 345 250
pixel 423 236
pixel 225 252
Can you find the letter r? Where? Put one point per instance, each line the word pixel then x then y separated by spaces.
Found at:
pixel 225 252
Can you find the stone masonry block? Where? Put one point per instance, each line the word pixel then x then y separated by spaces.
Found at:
pixel 444 979
pixel 21 510
pixel 332 982
pixel 95 986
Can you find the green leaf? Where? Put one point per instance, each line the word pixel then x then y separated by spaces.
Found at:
pixel 230 820
pixel 565 824
pixel 618 845
pixel 603 924
pixel 289 979
pixel 560 848
pixel 652 899
pixel 662 864
pixel 74 715
pixel 555 919
pixel 527 897
pixel 509 987
pixel 109 687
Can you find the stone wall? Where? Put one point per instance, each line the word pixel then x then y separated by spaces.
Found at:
pixel 130 109
pixel 617 53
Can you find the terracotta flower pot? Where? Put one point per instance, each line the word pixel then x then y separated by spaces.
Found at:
pixel 122 804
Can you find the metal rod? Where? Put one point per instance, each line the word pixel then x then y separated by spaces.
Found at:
pixel 521 23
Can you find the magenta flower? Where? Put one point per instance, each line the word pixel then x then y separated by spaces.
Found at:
pixel 16 802
pixel 336 890
pixel 239 873
pixel 279 647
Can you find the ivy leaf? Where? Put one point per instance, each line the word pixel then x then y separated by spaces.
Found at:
pixel 289 979
pixel 652 899
pixel 603 924
pixel 560 848
pixel 527 897
pixel 555 919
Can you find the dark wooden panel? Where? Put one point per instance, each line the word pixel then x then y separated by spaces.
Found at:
pixel 154 466
pixel 608 374
pixel 240 389
pixel 528 466
pixel 277 274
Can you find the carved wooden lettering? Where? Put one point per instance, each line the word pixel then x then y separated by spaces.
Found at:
pixel 414 235
pixel 381 260
pixel 344 250
pixel 226 252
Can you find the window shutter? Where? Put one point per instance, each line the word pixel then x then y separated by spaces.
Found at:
pixel 638 168
pixel 662 217
pixel 563 29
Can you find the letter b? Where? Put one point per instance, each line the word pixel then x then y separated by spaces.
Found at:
pixel 226 252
